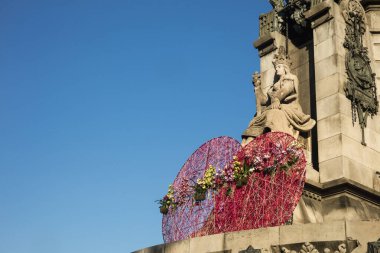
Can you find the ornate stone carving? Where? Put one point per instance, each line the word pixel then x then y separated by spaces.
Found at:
pixel 250 249
pixel 297 9
pixel 278 108
pixel 360 87
pixel 374 247
pixel 318 247
pixel 270 22
pixel 312 195
pixel 316 2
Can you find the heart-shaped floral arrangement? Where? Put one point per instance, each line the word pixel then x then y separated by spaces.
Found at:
pixel 224 187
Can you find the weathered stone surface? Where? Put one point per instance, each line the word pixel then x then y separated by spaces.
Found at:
pixel 308 210
pixel 264 238
pixel 363 231
pixel 302 72
pixel 328 106
pixel 266 62
pixel 376 181
pixel 207 243
pixel 328 48
pixel 329 148
pixel 331 169
pixel 259 238
pixel 329 86
pixel 329 126
pixel 180 246
pixel 323 32
pixel 357 172
pixel 312 232
pixel 329 66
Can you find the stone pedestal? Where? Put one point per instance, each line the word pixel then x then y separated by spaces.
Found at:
pixel 337 236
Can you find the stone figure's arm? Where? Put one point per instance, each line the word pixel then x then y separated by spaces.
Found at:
pixel 261 98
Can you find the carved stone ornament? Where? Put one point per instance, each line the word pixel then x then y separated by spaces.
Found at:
pixel 250 249
pixel 318 247
pixel 360 87
pixel 374 247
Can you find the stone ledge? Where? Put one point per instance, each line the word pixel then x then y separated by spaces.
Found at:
pixel 319 14
pixel 266 240
pixel 344 185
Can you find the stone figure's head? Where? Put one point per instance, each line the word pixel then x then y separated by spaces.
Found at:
pixel 281 69
pixel 281 62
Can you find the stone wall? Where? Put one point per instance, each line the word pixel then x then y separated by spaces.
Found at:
pixel 355 236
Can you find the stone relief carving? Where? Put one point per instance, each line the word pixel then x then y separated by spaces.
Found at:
pixel 297 9
pixel 311 195
pixel 360 87
pixel 278 108
pixel 283 12
pixel 373 247
pixel 270 22
pixel 250 249
pixel 318 247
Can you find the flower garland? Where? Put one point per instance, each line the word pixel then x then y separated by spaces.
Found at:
pixel 238 172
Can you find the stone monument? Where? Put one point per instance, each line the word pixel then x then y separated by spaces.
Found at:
pixel 331 90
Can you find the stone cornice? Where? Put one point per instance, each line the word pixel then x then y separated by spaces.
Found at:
pixel 343 185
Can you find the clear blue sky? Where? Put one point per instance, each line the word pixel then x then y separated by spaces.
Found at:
pixel 101 103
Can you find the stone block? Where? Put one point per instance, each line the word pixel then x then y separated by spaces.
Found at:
pixel 364 232
pixel 376 69
pixel 376 181
pixel 372 137
pixel 372 159
pixel 180 246
pixel 344 105
pixel 374 21
pixel 312 232
pixel 302 72
pixel 154 249
pixel 340 29
pixel 376 51
pixel 353 149
pixel 266 62
pixel 357 172
pixel 330 148
pixel 267 78
pixel 350 130
pixel 300 57
pixel 331 169
pixel 329 126
pixel 257 238
pixel 343 207
pixel 323 32
pixel 307 211
pixel 329 47
pixel 328 106
pixel 329 86
pixel 326 67
pixel 207 243
pixel 375 38
pixel 304 96
pixel 311 174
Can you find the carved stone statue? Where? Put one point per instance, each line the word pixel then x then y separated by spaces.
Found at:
pixel 278 109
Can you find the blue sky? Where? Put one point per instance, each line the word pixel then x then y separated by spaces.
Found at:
pixel 101 103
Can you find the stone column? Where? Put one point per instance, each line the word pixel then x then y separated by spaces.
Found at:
pixel 341 154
